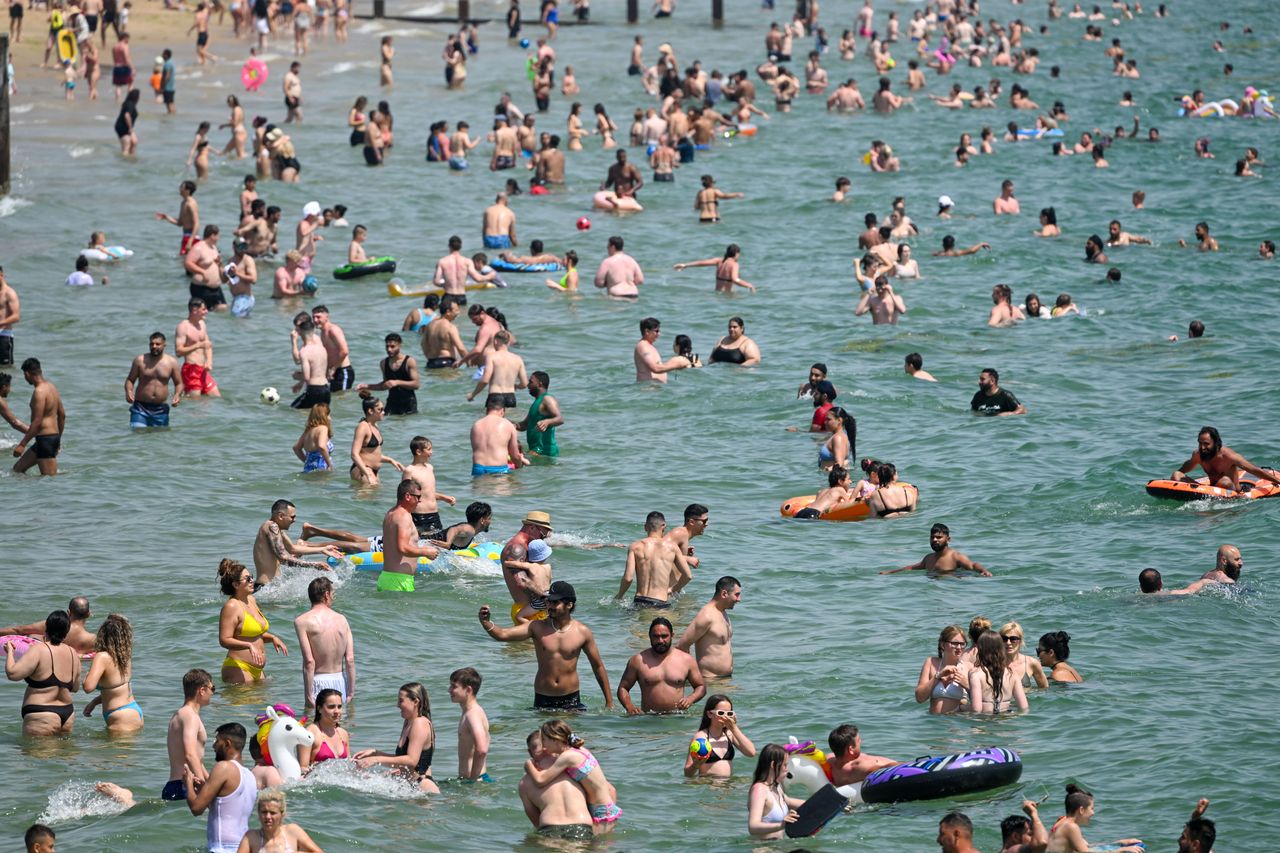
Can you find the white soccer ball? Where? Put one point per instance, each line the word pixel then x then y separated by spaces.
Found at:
pixel 270 396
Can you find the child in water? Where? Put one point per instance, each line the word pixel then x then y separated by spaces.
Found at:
pixel 579 765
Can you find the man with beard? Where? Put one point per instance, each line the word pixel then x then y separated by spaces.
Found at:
pixel 944 558
pixel 1199 833
pixel 146 389
pixel 1222 464
pixel 662 672
pixel 991 399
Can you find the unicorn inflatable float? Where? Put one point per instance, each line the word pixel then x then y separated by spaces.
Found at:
pixel 280 733
pixel 927 778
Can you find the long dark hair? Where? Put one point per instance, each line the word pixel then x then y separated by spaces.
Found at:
pixel 994 659
pixel 769 763
pixel 850 428
pixel 713 700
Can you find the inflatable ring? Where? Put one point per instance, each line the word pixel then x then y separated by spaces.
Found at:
pixel 747 130
pixel 253 74
pixel 396 287
pixel 1197 490
pixel 369 267
pixel 1035 133
pixel 607 200
pixel 506 266
pixel 928 778
pixel 107 254
pixel 855 511
pixel 371 561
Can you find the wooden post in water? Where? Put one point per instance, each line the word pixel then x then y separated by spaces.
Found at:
pixel 4 114
pixel 717 13
pixel 464 12
pixel 633 11
pixel 379 8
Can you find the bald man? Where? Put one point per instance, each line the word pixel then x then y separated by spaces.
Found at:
pixel 1228 567
pixel 78 637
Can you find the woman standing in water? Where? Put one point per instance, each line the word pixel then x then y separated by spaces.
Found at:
pixel 113 662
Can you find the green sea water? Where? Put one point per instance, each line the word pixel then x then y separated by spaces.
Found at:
pixel 1175 704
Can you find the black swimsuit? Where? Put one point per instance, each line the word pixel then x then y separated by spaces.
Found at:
pixel 727 355
pixel 400 401
pixel 375 440
pixel 729 754
pixel 423 768
pixel 64 712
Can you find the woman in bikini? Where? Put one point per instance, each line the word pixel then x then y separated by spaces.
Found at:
pixel 707 201
pixel 942 681
pixel 417 744
pixel 46 706
pixel 993 687
pixel 239 136
pixel 891 498
pixel 574 760
pixel 331 739
pixel 113 662
pixel 242 629
pixel 727 269
pixel 842 445
pixel 724 740
pixel 768 806
pixel 315 446
pixel 276 836
pixel 575 129
pixel 1024 666
pixel 366 445
pixel 605 127
pixel 736 347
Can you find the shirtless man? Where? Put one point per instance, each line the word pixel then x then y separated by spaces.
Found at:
pixel 453 271
pixel 313 373
pixel 186 735
pixel 559 640
pixel 656 565
pixel 272 547
pixel 619 274
pixel 1117 237
pixel 914 366
pixel 664 161
pixel 441 342
pixel 1204 242
pixel 649 364
pixel 242 275
pixel 695 524
pixel 846 98
pixel 288 279
pixel 48 421
pixel 498 226
pixel 188 218
pixel 548 163
pixel 504 372
pixel 255 230
pixel 10 314
pixel 1222 464
pixel 328 650
pixel 400 548
pixel 662 672
pixel 1226 569
pixel 884 305
pixel 886 101
pixel 560 809
pixel 1006 204
pixel 292 88
pixel 494 442
pixel 307 234
pixel 203 265
pixel 517 570
pixel 710 634
pixel 191 343
pixel 473 728
pixel 151 373
pixel 339 371
pixel 623 177
pixel 944 559
pixel 1003 311
pixel 487 328
pixel 78 636
pixel 849 764
pixel 506 145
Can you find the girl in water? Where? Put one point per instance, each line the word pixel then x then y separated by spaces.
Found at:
pixel 576 762
pixel 1034 309
pixel 575 130
pixel 356 119
pixel 993 687
pixel 941 683
pixel 366 444
pixel 331 739
pixel 417 744
pixel 239 136
pixel 604 126
pixel 113 661
pixel 1066 835
pixel 907 266
pixel 1048 223
pixel 315 446
pixel 683 347
pixel 719 733
pixel 276 835
pixel 386 52
pixel 727 269
pixel 891 498
pixel 768 806
pixel 1053 651
pixel 569 281
pixel 242 629
pixel 840 447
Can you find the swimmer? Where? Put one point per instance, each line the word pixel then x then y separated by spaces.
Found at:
pixel 727 268
pixel 720 729
pixel 495 446
pixel 656 564
pixel 914 367
pixel 944 559
pixel 426 516
pixel 1066 834
pixel 884 305
pixel 991 399
pixel 568 282
pixel 146 386
pixel 498 226
pixel 849 764
pixel 575 761
pixel 949 249
pixel 1093 253
pixel 662 672
pixel 1204 242
pixel 1006 204
pixel 458 537
pixel 48 422
pixel 1223 465
pixel 837 493
pixel 769 809
pixel 272 547
pixel 1020 834
pixel 1118 237
pixel 112 661
pixel 1003 312
pixel 1063 306
pixel 473 728
pixel 366 443
pixel 1048 223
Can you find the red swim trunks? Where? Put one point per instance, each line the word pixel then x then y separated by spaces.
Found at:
pixel 197 378
pixel 188 240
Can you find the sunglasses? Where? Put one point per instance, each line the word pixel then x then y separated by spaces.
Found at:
pixel 955 644
pixel 1011 639
pixel 722 713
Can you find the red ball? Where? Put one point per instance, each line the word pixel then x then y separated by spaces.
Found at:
pixel 584 224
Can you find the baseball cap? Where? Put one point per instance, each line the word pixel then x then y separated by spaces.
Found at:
pixel 538 551
pixel 562 591
pixel 825 387
pixel 312 208
pixel 945 201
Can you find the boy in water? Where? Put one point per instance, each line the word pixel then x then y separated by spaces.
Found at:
pixel 421 471
pixel 537 580
pixel 473 728
pixel 837 493
pixel 459 536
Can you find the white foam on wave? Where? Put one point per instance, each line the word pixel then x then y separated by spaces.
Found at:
pixel 291 586
pixel 9 205
pixel 343 773
pixel 213 84
pixel 72 801
pixel 344 67
pixel 457 564
pixel 78 151
pixel 21 108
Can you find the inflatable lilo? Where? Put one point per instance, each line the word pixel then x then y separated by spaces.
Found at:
pixel 371 561
pixel 280 733
pixel 609 200
pixel 1213 109
pixel 1196 490
pixel 503 265
pixel 100 252
pixel 927 778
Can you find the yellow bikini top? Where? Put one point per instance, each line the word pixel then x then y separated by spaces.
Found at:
pixel 252 628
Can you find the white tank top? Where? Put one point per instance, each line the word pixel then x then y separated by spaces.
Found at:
pixel 229 815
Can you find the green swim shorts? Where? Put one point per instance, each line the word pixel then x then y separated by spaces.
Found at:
pixel 395 582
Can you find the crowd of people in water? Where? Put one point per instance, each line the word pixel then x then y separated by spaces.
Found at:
pixel 564 790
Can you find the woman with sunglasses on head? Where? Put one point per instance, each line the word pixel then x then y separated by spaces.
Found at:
pixel 242 629
pixel 717 741
pixel 1026 668
pixel 943 681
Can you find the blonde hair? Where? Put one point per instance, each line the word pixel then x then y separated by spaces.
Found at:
pixel 558 730
pixel 272 795
pixel 1013 627
pixel 319 417
pixel 977 626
